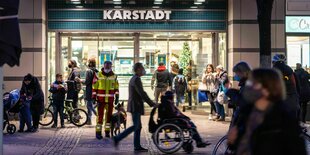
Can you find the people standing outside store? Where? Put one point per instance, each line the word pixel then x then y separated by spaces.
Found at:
pixel 223 84
pixel 270 128
pixel 209 80
pixel 58 91
pixel 161 81
pixel 137 97
pixel 31 88
pixel 292 100
pixel 179 84
pixel 73 82
pixel 106 92
pixel 90 76
pixel 304 89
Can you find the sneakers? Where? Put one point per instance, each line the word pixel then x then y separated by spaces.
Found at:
pixel 54 126
pixel 20 130
pixel 99 136
pixel 221 119
pixel 63 126
pixel 107 134
pixel 202 144
pixel 210 117
pixel 141 149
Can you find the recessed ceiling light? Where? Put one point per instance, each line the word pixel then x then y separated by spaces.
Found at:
pixel 117 7
pixel 157 2
pixel 201 0
pixel 76 2
pixel 156 7
pixel 197 3
pixel 79 6
pixel 194 7
pixel 117 2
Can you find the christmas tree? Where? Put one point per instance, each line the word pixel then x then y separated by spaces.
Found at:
pixel 185 57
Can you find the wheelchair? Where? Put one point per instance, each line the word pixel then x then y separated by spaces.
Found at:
pixel 170 135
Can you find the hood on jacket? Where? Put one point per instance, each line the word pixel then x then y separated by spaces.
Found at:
pixel 161 68
pixel 107 74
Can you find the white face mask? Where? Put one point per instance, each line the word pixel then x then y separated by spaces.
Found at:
pixel 107 70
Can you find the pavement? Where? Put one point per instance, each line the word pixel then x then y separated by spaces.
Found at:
pixel 82 141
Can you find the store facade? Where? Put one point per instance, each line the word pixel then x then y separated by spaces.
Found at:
pixel 136 34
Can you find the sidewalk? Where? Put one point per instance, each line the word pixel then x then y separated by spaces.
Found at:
pixel 80 141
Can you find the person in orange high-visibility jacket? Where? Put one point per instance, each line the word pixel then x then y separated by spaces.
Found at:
pixel 105 91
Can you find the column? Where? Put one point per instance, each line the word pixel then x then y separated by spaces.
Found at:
pixel 32 18
pixel 243 35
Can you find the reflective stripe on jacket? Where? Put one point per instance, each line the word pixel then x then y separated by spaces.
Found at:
pixel 106 87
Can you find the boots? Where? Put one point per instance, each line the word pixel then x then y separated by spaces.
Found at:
pixel 107 134
pixel 98 131
pixel 99 135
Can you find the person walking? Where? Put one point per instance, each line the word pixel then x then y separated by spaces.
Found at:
pixel 222 83
pixel 31 88
pixel 89 80
pixel 106 91
pixel 173 73
pixel 270 129
pixel 137 97
pixel 73 82
pixel 292 100
pixel 59 92
pixel 162 79
pixel 304 91
pixel 179 84
pixel 209 80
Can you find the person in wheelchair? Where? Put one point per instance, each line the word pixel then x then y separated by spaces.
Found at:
pixel 168 111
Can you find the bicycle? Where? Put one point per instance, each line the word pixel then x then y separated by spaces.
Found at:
pixel 77 116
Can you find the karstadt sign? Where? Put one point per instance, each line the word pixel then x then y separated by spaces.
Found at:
pixel 136 15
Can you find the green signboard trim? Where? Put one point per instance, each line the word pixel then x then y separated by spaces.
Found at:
pixel 297 24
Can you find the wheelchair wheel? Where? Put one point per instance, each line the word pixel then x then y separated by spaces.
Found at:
pixel 188 147
pixel 78 117
pixel 11 129
pixel 47 118
pixel 221 147
pixel 168 138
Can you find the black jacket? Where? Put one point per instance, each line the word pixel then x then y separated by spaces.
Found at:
pixel 278 134
pixel 89 82
pixel 58 94
pixel 288 77
pixel 73 86
pixel 304 84
pixel 137 96
pixel 162 78
pixel 35 91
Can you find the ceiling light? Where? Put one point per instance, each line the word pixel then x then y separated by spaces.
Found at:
pixel 76 2
pixel 157 2
pixel 79 6
pixel 201 0
pixel 117 7
pixel 117 2
pixel 194 7
pixel 156 7
pixel 197 3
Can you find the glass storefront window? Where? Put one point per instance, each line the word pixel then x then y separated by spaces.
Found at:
pixel 298 51
pixel 222 56
pixel 51 43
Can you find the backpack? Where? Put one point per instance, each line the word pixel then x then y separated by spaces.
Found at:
pixel 180 84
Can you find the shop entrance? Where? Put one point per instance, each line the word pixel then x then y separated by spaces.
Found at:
pixel 126 48
pixel 298 51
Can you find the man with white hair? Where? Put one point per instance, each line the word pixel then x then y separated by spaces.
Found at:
pixel 222 79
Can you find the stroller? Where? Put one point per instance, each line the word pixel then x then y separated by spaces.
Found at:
pixel 11 105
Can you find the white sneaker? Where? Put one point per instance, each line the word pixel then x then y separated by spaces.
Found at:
pixel 210 117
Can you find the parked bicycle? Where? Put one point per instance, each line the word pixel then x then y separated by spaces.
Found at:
pixel 78 117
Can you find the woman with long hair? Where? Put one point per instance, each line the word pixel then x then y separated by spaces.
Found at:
pixel 211 90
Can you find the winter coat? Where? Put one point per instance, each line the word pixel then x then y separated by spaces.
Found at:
pixel 179 84
pixel 90 73
pixel 73 86
pixel 58 94
pixel 209 80
pixel 137 96
pixel 303 78
pixel 277 134
pixel 162 77
pixel 35 91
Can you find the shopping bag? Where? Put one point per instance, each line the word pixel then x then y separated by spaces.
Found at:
pixel 202 97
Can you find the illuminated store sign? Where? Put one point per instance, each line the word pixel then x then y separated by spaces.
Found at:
pixel 136 15
pixel 297 24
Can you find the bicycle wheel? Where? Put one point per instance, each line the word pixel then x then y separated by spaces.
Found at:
pixel 221 147
pixel 307 141
pixel 47 118
pixel 78 117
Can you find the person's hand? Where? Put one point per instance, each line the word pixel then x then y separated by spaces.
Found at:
pixel 232 135
pixel 52 85
pixel 60 86
pixel 29 97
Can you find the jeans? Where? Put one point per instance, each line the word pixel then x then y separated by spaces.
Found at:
pixel 180 99
pixel 211 99
pixel 25 116
pixel 220 109
pixel 189 93
pixel 159 92
pixel 195 133
pixel 90 109
pixel 136 128
pixel 58 107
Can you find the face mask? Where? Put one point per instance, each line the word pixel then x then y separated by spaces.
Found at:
pixel 251 95
pixel 107 70
pixel 236 78
pixel 70 66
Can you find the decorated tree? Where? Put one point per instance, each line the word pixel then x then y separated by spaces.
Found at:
pixel 185 58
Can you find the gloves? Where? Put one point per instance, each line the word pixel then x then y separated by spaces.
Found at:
pixel 116 100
